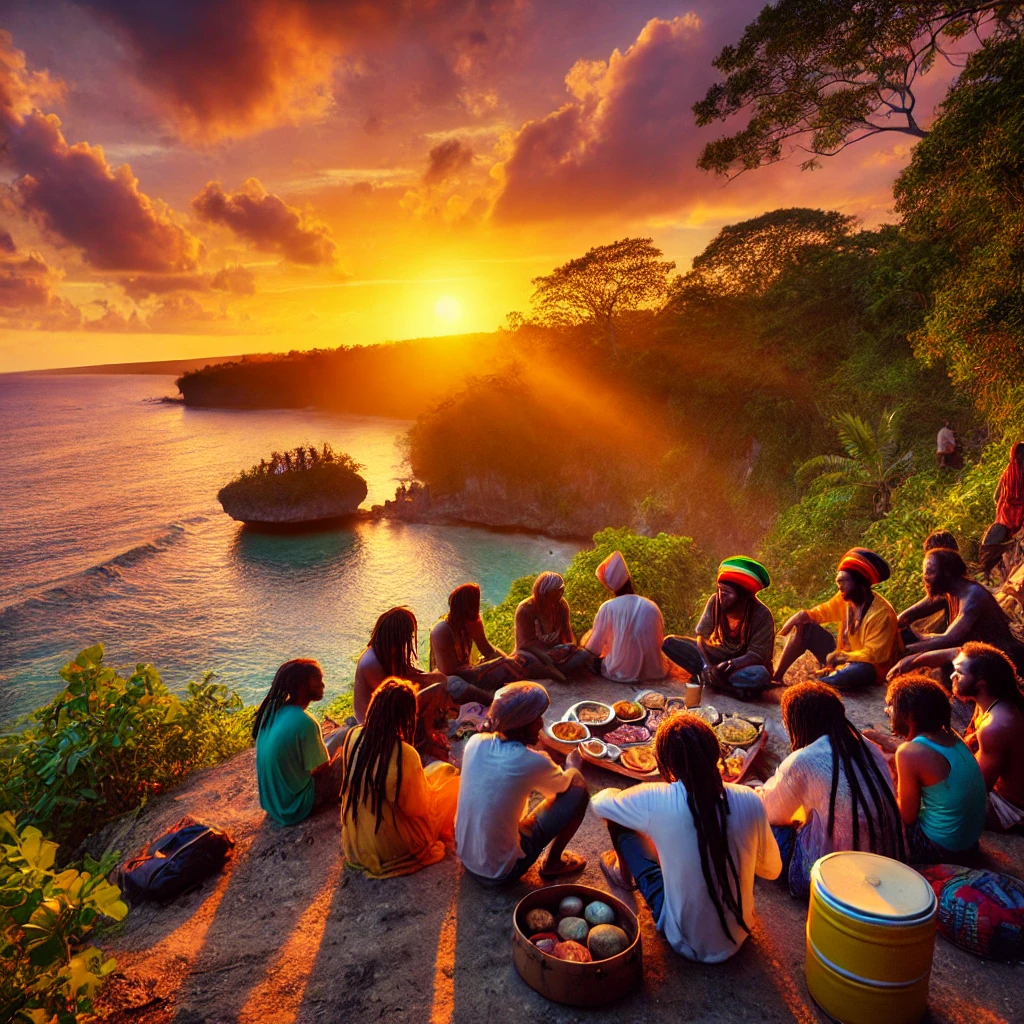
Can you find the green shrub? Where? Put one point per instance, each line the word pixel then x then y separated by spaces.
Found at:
pixel 665 568
pixel 105 744
pixel 47 973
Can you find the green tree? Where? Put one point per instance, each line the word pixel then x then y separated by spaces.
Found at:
pixel 873 463
pixel 818 75
pixel 962 196
pixel 600 286
pixel 746 258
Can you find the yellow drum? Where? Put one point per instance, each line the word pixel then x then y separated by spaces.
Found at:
pixel 870 938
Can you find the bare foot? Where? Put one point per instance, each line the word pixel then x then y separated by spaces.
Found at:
pixel 569 864
pixel 616 873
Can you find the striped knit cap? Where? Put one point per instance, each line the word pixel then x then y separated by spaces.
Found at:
pixel 744 572
pixel 873 567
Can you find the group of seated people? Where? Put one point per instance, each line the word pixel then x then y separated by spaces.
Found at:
pixel 402 801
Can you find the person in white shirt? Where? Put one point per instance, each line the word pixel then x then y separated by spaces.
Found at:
pixel 945 446
pixel 495 838
pixel 833 792
pixel 692 843
pixel 628 630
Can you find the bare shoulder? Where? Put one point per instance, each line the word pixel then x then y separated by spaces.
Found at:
pixel 1005 724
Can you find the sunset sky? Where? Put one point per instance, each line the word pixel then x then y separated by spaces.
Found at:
pixel 196 177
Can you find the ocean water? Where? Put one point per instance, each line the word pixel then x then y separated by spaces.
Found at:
pixel 110 531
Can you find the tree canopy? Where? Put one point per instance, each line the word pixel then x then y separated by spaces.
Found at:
pixel 605 282
pixel 827 73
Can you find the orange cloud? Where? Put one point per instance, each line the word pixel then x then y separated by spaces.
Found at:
pixel 446 160
pixel 625 141
pixel 27 298
pixel 232 278
pixel 268 222
pixel 73 193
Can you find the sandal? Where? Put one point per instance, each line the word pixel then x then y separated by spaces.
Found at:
pixel 570 864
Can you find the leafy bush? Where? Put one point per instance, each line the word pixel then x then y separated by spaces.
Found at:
pixel 665 568
pixel 105 744
pixel 46 971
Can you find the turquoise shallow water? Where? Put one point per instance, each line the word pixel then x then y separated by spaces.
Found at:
pixel 111 532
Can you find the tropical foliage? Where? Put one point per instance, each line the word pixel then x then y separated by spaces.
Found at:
pixel 872 465
pixel 48 972
pixel 106 743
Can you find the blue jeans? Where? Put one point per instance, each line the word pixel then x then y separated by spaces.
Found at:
pixel 854 675
pixel 684 652
pixel 541 826
pixel 638 854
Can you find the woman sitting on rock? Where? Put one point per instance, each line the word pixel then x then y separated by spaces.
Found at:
pixel 451 650
pixel 543 627
pixel 395 814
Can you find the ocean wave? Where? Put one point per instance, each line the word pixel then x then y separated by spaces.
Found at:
pixel 97 578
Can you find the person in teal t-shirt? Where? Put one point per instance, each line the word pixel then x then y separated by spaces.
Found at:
pixel 295 769
pixel 939 786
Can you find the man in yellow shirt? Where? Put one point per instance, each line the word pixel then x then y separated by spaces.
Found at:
pixel 868 643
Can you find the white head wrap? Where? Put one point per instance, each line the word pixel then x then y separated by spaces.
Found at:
pixel 547 583
pixel 613 572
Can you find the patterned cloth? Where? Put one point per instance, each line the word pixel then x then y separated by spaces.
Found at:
pixel 980 911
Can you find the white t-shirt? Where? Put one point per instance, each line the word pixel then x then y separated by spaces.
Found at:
pixel 498 776
pixel 688 917
pixel 945 441
pixel 801 788
pixel 628 633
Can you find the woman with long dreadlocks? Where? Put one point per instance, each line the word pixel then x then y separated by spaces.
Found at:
pixel 452 642
pixel 544 628
pixel 660 832
pixel 295 769
pixel 735 642
pixel 395 815
pixel 835 782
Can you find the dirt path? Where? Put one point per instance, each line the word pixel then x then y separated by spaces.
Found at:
pixel 285 936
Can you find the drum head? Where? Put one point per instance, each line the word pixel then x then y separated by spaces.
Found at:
pixel 873 886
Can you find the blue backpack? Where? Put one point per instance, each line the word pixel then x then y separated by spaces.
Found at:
pixel 176 862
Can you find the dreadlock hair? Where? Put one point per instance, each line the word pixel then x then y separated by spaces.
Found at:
pixel 288 680
pixel 940 539
pixel 720 622
pixel 687 751
pixel 463 608
pixel 390 721
pixel 812 710
pixel 992 665
pixel 394 641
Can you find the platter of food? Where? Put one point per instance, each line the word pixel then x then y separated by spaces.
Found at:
pixel 592 713
pixel 734 731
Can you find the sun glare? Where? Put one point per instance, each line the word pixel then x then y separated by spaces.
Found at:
pixel 448 310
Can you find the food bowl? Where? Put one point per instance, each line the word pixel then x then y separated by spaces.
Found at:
pixel 591 713
pixel 625 719
pixel 577 984
pixel 571 741
pixel 595 747
pixel 612 752
pixel 653 700
pixel 735 731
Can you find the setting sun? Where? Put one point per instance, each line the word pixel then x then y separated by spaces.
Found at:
pixel 448 310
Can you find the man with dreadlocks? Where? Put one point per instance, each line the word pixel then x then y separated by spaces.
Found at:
pixel 735 642
pixel 972 611
pixel 985 676
pixel 833 792
pixel 295 770
pixel 453 639
pixel 660 831
pixel 869 640
pixel 395 814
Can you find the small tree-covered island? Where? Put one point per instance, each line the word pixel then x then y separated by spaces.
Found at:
pixel 304 486
pixel 727 724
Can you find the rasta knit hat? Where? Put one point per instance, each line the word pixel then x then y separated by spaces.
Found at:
pixel 745 573
pixel 873 567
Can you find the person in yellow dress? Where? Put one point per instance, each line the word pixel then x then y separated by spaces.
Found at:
pixel 395 815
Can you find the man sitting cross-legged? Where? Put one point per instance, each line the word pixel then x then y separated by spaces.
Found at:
pixel 868 642
pixel 735 641
pixel 295 769
pixel 494 836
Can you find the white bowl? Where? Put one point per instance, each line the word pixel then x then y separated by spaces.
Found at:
pixel 612 752
pixel 601 752
pixel 568 743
